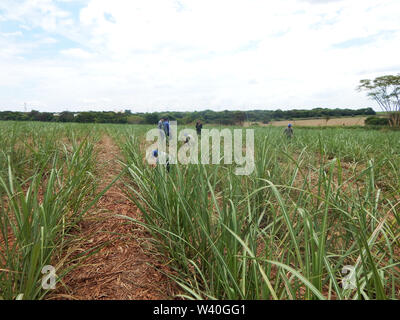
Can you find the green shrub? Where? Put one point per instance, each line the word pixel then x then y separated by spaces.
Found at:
pixel 376 121
pixel 136 120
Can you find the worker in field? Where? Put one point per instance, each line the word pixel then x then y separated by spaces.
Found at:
pixel 188 139
pixel 160 127
pixel 165 127
pixel 289 131
pixel 199 126
pixel 156 155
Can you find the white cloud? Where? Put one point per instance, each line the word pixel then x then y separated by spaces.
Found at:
pixel 77 53
pixel 200 54
pixel 11 34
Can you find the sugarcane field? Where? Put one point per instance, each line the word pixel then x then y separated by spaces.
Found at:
pixel 182 150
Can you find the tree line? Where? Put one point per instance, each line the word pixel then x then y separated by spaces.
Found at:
pixel 385 90
pixel 207 116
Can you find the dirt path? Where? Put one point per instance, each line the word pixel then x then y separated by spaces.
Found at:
pixel 121 269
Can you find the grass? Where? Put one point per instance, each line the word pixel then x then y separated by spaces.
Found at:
pixel 313 205
pixel 45 185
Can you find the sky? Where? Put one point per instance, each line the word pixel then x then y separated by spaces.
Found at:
pixel 185 55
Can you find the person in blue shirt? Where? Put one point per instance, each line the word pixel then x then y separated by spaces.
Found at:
pixel 166 127
pixel 155 154
pixel 289 131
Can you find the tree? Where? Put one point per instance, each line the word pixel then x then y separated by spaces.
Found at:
pixel 66 116
pixel 34 115
pixel 278 114
pixel 239 117
pixel 45 116
pixel 327 118
pixel 151 118
pixel 135 120
pixel 385 91
pixel 85 117
pixel 266 119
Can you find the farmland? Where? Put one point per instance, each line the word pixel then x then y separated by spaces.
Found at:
pixel 81 197
pixel 345 121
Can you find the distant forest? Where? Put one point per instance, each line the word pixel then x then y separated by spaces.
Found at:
pixel 206 116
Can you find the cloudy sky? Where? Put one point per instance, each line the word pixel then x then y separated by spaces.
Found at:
pixel 162 55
